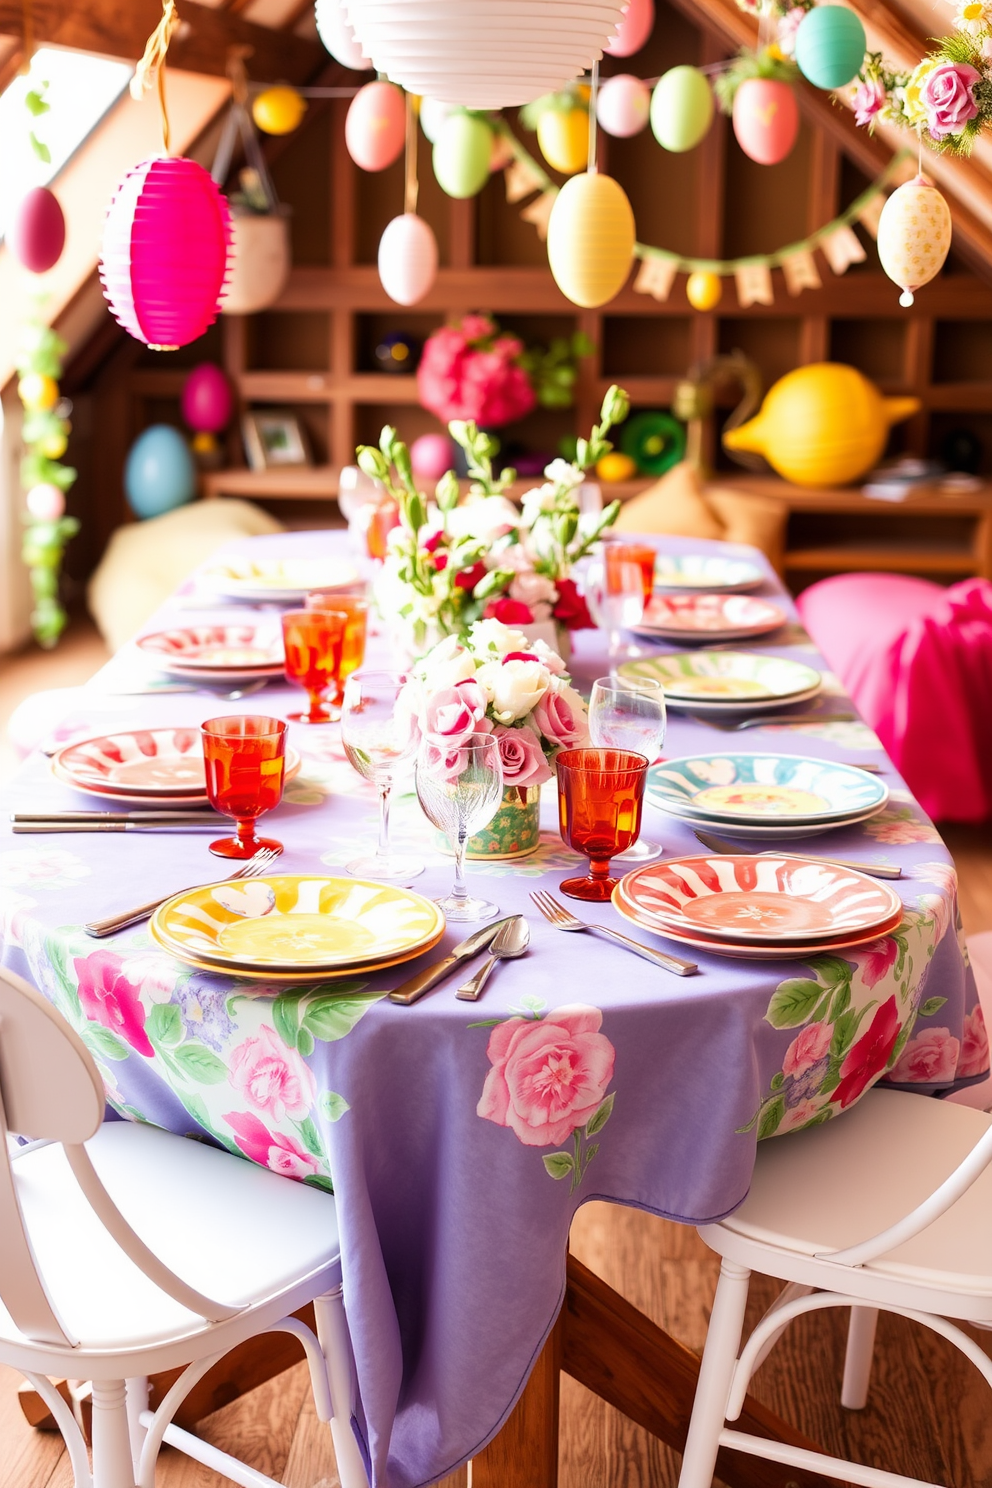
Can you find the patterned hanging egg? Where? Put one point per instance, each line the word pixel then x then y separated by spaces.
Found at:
pixel 914 236
pixel 461 155
pixel 766 119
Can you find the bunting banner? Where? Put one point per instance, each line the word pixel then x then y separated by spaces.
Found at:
pixel 800 272
pixel 841 249
pixel 870 215
pixel 522 179
pixel 655 277
pixel 538 211
pixel 754 285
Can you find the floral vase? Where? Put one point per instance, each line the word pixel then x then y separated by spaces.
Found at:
pixel 515 830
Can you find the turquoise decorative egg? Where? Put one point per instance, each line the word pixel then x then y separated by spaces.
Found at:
pixel 461 156
pixel 681 109
pixel 830 46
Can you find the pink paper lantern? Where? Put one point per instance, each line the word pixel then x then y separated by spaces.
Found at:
pixel 165 251
pixel 636 25
pixel 36 236
pixel 206 403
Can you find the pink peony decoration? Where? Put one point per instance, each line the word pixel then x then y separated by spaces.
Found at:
pixel 869 97
pixel 809 1046
pixel 879 957
pixel 272 1077
pixel 524 761
pixel 929 1058
pixel 548 1075
pixel 472 372
pixel 106 996
pixel 273 1150
pixel 975 1048
pixel 948 97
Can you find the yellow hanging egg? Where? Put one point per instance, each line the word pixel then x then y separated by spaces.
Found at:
pixel 914 236
pixel 563 135
pixel 591 239
pixel 279 110
pixel 616 467
pixel 38 393
pixel 54 446
pixel 821 425
pixel 703 290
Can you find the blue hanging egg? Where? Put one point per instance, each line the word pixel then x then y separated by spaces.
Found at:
pixel 159 473
pixel 830 46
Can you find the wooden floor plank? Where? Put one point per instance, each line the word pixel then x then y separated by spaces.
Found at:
pixel 28 1458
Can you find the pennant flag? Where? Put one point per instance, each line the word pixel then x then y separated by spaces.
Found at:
pixel 800 272
pixel 502 154
pixel 521 179
pixel 656 277
pixel 537 212
pixel 869 214
pixel 841 249
pixel 754 285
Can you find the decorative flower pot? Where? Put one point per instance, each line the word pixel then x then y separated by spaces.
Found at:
pixel 515 830
pixel 260 261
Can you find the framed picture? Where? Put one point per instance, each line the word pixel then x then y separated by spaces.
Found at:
pixel 273 438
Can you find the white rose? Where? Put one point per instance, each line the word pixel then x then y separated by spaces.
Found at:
pixel 541 499
pixel 533 589
pixel 489 638
pixel 564 473
pixel 447 664
pixel 486 519
pixel 548 658
pixel 514 688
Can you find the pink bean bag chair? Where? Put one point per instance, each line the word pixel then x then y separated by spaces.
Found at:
pixel 917 660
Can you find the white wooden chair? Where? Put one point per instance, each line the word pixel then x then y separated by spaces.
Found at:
pixel 125 1251
pixel 888 1206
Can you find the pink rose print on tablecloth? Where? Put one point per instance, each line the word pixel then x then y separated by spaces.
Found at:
pixel 274 1150
pixel 807 1048
pixel 798 1116
pixel 106 996
pixel 879 956
pixel 929 1058
pixel 548 1083
pixel 898 827
pixel 974 1058
pixel 869 1055
pixel 272 1077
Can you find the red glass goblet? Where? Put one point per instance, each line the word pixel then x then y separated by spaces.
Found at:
pixel 314 644
pixel 356 607
pixel 245 758
pixel 600 796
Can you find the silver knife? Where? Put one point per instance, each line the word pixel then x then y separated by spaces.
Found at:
pixel 424 980
pixel 874 870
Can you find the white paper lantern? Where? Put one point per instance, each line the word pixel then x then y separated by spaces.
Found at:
pixel 338 37
pixel 484 55
pixel 407 259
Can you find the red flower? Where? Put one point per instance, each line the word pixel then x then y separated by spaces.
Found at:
pixel 431 543
pixel 520 656
pixel 441 562
pixel 509 611
pixel 879 956
pixel 106 996
pixel 469 577
pixel 869 1056
pixel 571 608
pixel 273 1150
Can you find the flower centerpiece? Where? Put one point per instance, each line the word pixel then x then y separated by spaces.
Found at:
pixel 492 680
pixel 947 98
pixel 451 563
pixel 474 371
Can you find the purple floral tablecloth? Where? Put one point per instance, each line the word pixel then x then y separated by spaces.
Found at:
pixel 461 1138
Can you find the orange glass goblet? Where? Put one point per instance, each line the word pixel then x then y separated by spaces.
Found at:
pixel 600 797
pixel 314 644
pixel 643 556
pixel 356 607
pixel 245 758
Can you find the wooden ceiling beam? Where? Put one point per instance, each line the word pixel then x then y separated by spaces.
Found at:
pixel 120 28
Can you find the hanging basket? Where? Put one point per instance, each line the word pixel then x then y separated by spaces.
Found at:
pixel 260 261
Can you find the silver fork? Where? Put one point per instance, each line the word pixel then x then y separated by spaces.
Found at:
pixel 251 869
pixel 764 719
pixel 563 919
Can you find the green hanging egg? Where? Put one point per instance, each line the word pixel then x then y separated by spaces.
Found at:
pixel 681 108
pixel 830 46
pixel 462 152
pixel 654 441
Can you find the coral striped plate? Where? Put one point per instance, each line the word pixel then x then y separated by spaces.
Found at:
pixel 709 617
pixel 235 650
pixel 149 765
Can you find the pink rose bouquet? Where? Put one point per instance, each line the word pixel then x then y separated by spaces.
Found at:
pixel 471 371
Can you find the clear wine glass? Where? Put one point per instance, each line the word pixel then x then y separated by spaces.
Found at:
pixel 629 713
pixel 615 596
pixel 379 732
pixel 460 790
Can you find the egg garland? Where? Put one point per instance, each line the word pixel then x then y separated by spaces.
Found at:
pixel 623 105
pixel 36 235
pixel 591 239
pixel 279 110
pixel 766 119
pixel 681 109
pixel 830 46
pixel 375 126
pixel 914 236
pixel 337 36
pixel 462 153
pixel 408 259
pixel 562 124
pixel 636 25
pixel 703 290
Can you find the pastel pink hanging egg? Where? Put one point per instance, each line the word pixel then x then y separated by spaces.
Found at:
pixel 407 259
pixel 431 455
pixel 206 402
pixel 623 105
pixel 36 236
pixel 375 127
pixel 636 25
pixel 46 502
pixel 766 119
pixel 165 249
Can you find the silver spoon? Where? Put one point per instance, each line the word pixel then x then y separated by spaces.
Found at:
pixel 512 940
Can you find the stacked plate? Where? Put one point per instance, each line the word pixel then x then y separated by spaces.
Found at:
pixel 774 906
pixel 708 572
pixel 216 653
pixel 277 580
pixel 770 796
pixel 297 928
pixel 712 683
pixel 148 767
pixel 709 617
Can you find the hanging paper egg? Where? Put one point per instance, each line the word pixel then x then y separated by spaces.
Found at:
pixel 338 37
pixel 766 119
pixel 590 239
pixel 563 135
pixel 461 155
pixel 433 116
pixel 375 126
pixel 623 105
pixel 830 46
pixel 36 236
pixel 636 25
pixel 159 473
pixel 914 235
pixel 704 291
pixel 164 254
pixel 206 402
pixel 431 455
pixel 681 108
pixel 46 502
pixel 407 259
pixel 279 110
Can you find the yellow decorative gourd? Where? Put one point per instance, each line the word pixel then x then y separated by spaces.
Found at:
pixel 822 425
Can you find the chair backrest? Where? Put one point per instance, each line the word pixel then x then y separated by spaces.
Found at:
pixel 50 1089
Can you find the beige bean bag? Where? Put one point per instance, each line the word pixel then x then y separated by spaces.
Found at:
pixel 145 561
pixel 680 505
